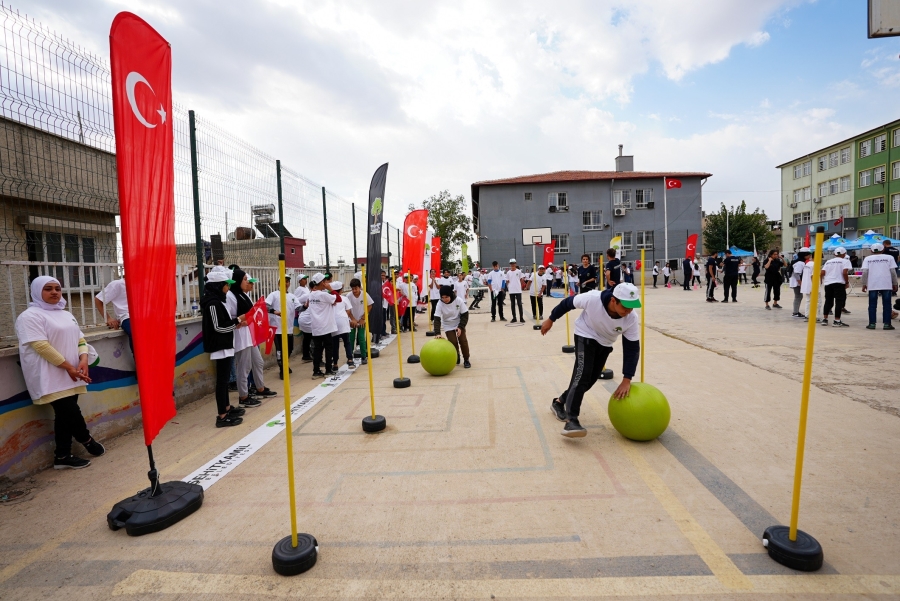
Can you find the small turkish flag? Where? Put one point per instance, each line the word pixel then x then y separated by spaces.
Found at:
pixel 270 339
pixel 387 292
pixel 840 220
pixel 403 303
pixel 258 322
pixel 673 183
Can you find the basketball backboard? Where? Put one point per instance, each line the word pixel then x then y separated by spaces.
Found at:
pixel 884 18
pixel 535 235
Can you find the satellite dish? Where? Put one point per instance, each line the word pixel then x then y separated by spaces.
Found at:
pixel 311 264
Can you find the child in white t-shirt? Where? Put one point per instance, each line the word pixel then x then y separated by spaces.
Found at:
pixel 451 317
pixel 342 317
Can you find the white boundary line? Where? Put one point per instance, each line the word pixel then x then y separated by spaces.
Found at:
pixel 213 470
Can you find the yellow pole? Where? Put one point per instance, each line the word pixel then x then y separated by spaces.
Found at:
pixel 566 280
pixel 643 309
pixel 368 341
pixel 600 281
pixel 288 432
pixel 807 379
pixel 412 305
pixel 397 324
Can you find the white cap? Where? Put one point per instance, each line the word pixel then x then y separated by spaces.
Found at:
pixel 512 260
pixel 415 277
pixel 541 267
pixel 628 295
pixel 803 249
pixel 337 285
pixel 840 250
pixel 877 247
pixel 317 278
pixel 219 274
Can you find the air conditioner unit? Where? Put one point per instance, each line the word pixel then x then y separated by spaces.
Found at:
pixel 619 212
pixel 562 208
pixel 790 224
pixel 879 179
pixel 793 205
pixel 552 209
pixel 883 145
pixel 651 204
pixel 817 200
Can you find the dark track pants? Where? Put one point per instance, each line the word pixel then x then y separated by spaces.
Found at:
pixel 730 282
pixel 710 287
pixel 69 424
pixel 307 345
pixel 223 374
pixel 590 359
pixel 322 344
pixel 835 294
pixel 290 345
pixel 515 299
pixel 497 303
pixel 537 307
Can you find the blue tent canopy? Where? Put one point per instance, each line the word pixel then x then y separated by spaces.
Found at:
pixel 737 252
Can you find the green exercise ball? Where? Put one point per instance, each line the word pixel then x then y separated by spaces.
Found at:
pixel 643 415
pixel 438 356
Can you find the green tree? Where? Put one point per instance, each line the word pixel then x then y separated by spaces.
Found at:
pixel 447 217
pixel 738 227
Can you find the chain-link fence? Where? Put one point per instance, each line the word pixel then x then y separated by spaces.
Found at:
pixel 59 209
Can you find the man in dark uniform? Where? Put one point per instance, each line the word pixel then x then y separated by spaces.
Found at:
pixel 730 264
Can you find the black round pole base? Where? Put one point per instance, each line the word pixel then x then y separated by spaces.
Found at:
pixel 569 348
pixel 402 383
pixel 413 359
pixel 290 561
pixel 606 374
pixel 374 353
pixel 536 327
pixel 374 424
pixel 429 333
pixel 805 554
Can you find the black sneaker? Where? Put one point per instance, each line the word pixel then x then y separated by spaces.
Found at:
pixel 871 326
pixel 236 412
pixel 94 448
pixel 774 306
pixel 839 324
pixel 825 322
pixel 559 412
pixel 351 365
pixel 250 403
pixel 845 311
pixel 232 386
pixel 266 393
pixel 228 420
pixel 466 364
pixel 709 300
pixel 364 361
pixel 502 319
pixel 801 315
pixel 328 374
pixel 493 319
pixel 317 375
pixel 768 308
pixel 889 327
pixel 457 359
pixel 70 462
pixel 514 320
pixel 725 301
pixel 795 315
pixel 574 430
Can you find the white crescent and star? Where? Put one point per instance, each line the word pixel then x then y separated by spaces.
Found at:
pixel 413 231
pixel 132 80
pixel 691 246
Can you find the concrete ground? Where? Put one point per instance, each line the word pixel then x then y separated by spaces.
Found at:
pixel 472 493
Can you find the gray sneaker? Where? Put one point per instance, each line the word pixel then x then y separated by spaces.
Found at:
pixel 574 430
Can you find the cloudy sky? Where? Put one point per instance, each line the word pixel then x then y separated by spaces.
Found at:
pixel 455 92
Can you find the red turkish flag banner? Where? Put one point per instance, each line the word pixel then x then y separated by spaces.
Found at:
pixel 258 322
pixel 141 62
pixel 806 240
pixel 840 220
pixel 387 292
pixel 549 252
pixel 414 232
pixel 690 248
pixel 436 254
pixel 270 339
pixel 403 304
pixel 672 183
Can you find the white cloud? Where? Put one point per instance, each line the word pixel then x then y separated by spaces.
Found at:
pixel 758 39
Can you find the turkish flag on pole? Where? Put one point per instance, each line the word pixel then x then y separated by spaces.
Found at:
pixel 258 322
pixel 690 249
pixel 839 221
pixel 403 304
pixel 806 240
pixel 549 251
pixel 672 183
pixel 436 254
pixel 141 63
pixel 387 292
pixel 415 229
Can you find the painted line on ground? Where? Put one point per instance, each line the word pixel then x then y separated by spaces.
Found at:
pixel 213 470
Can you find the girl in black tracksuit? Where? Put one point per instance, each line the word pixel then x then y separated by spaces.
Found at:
pixel 218 341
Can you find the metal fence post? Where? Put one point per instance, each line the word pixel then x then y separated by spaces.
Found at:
pixel 325 223
pixel 195 179
pixel 355 254
pixel 280 207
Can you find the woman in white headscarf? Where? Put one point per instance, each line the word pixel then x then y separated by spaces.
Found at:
pixel 54 359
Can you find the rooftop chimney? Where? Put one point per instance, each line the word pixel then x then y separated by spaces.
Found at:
pixel 624 162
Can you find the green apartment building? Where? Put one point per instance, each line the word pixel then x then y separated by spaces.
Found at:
pixel 857 179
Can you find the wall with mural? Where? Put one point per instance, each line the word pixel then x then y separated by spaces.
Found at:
pixel 111 406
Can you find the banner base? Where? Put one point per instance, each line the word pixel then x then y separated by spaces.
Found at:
pixel 145 513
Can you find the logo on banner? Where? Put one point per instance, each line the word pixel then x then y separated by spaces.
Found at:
pixel 132 80
pixel 377 208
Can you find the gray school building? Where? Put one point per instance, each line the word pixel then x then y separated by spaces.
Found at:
pixel 585 210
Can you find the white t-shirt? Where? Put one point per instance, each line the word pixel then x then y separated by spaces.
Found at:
pixel 796 274
pixel 880 267
pixel 273 301
pixel 61 330
pixel 356 303
pixel 450 312
pixel 434 291
pixel 304 322
pixel 656 270
pixel 341 319
pixel 115 293
pixel 696 270
pixel 494 279
pixel 537 282
pixel 834 270
pixel 461 288
pixel 742 268
pixel 321 312
pixel 242 337
pixel 666 271
pixel 806 283
pixel 514 281
pixel 596 323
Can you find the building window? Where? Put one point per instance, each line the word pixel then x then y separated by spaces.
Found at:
pixel 878 231
pixel 592 220
pixel 895 231
pixel 563 200
pixel 865 149
pixel 833 187
pixel 622 199
pixel 562 242
pixel 53 247
pixel 807 167
pixel 627 240
pixel 895 170
pixel 878 205
pixel 880 143
pixel 823 162
pixel 845 155
pixel 833 212
pixel 823 189
pixel 798 196
pixel 833 159
pixel 864 208
pixel 559 200
pixel 595 257
pixel 865 178
pixel 896 141
pixel 845 210
pixel 798 171
pixel 801 218
pixel 527 196
pixel 642 197
pixel 845 183
pixel 645 239
pixel 895 204
pixel 798 242
pixel 878 172
pixel 821 214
